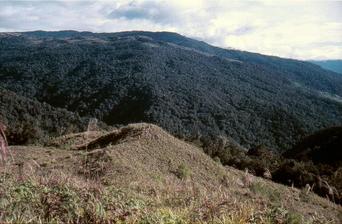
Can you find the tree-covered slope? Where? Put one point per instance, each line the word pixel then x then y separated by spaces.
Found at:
pixel 28 120
pixel 186 86
pixel 322 147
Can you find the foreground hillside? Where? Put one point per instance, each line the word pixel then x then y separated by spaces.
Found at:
pixel 186 86
pixel 142 174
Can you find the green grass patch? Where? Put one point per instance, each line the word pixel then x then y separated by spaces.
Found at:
pixel 263 190
pixel 183 172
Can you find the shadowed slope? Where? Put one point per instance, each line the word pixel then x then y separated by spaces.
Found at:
pixel 322 147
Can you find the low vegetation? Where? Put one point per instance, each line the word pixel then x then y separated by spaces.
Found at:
pixel 60 198
pixel 183 172
pixel 143 176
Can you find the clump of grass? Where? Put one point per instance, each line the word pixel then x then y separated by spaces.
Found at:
pixel 304 195
pixel 217 159
pixel 183 172
pixel 279 214
pixel 31 201
pixel 162 216
pixel 265 191
pixel 293 218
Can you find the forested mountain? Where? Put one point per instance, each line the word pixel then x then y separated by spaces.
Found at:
pixel 186 86
pixel 333 65
pixel 28 120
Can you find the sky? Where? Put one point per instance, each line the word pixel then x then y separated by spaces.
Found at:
pixel 292 29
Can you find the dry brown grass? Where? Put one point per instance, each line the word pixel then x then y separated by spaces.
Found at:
pixel 3 144
pixel 132 175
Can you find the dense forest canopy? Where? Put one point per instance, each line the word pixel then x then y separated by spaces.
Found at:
pixel 186 86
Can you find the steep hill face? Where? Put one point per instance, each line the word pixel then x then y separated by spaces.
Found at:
pixel 186 86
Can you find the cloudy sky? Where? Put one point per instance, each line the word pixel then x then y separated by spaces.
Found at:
pixel 294 29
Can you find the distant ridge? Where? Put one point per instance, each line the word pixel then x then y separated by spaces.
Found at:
pixel 333 65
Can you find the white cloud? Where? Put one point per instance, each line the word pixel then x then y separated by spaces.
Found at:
pixel 296 29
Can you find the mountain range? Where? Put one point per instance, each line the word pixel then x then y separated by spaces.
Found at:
pixel 188 87
pixel 333 65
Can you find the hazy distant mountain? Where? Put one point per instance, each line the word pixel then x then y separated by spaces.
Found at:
pixel 333 65
pixel 186 86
